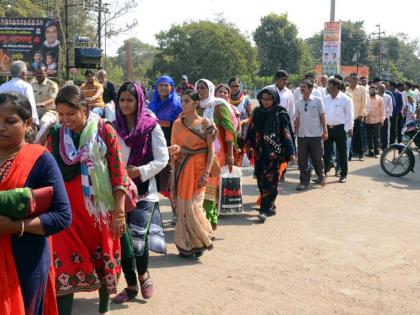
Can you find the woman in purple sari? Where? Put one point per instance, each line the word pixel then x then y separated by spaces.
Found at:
pixel 145 153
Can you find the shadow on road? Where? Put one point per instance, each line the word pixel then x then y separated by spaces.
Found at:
pixel 239 219
pixel 91 305
pixel 172 261
pixel 411 181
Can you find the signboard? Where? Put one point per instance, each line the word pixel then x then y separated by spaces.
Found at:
pixel 34 40
pixel 331 52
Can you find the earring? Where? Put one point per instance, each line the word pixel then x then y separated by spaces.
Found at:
pixel 30 136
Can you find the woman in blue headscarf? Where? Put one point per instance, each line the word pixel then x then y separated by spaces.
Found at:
pixel 166 105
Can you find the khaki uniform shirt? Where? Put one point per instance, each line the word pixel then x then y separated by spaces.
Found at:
pixel 44 91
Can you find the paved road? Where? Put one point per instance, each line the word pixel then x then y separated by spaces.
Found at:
pixel 344 249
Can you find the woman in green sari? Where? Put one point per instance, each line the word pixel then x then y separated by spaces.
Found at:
pixel 220 112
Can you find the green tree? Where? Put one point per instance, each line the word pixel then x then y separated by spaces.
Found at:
pixel 314 45
pixel 215 51
pixel 399 56
pixel 278 45
pixel 22 8
pixel 114 71
pixel 143 56
pixel 353 37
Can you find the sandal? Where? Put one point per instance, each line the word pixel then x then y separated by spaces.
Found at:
pixel 147 287
pixel 125 295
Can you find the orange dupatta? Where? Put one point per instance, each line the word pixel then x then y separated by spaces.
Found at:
pixel 11 300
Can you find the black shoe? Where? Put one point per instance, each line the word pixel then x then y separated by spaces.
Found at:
pixel 198 254
pixel 361 158
pixel 337 173
pixel 184 255
pixel 342 179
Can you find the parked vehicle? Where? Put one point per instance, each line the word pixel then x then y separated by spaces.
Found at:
pixel 398 159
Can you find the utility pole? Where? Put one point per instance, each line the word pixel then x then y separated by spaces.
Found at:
pixel 105 40
pixel 99 23
pixel 66 23
pixel 332 11
pixel 379 33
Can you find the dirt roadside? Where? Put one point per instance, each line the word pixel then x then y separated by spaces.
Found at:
pixel 344 249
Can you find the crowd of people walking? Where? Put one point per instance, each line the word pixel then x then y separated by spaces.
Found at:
pixel 80 193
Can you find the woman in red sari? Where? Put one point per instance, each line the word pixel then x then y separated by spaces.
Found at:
pixel 87 256
pixel 26 270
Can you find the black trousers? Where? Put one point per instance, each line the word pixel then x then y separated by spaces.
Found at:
pixel 385 134
pixel 357 140
pixel 267 174
pixel 310 147
pixel 336 135
pixel 372 131
pixel 396 126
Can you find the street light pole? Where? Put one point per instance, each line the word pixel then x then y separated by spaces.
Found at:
pixel 332 11
pixel 379 33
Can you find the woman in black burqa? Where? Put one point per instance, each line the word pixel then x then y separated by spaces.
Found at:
pixel 270 136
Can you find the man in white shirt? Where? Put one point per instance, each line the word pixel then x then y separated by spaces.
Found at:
pixel 388 108
pixel 286 101
pixel 323 85
pixel 286 95
pixel 339 115
pixel 315 91
pixel 18 84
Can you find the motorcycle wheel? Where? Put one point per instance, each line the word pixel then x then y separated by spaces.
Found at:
pixel 396 163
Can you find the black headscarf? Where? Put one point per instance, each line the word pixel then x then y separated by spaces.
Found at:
pixel 273 92
pixel 269 121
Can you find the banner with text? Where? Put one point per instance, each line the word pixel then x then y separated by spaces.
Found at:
pixel 331 52
pixel 34 40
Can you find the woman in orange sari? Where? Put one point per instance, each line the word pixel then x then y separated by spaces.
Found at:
pixel 192 155
pixel 26 269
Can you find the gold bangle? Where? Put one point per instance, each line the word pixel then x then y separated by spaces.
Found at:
pixel 22 229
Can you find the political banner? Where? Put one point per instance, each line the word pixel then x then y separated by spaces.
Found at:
pixel 331 52
pixel 36 41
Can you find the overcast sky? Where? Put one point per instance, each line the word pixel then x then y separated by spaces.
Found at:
pixel 309 15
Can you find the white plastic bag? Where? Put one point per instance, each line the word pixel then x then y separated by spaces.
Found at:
pixel 110 111
pixel 245 161
pixel 230 191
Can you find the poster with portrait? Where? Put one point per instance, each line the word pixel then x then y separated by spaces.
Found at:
pixel 36 41
pixel 331 52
